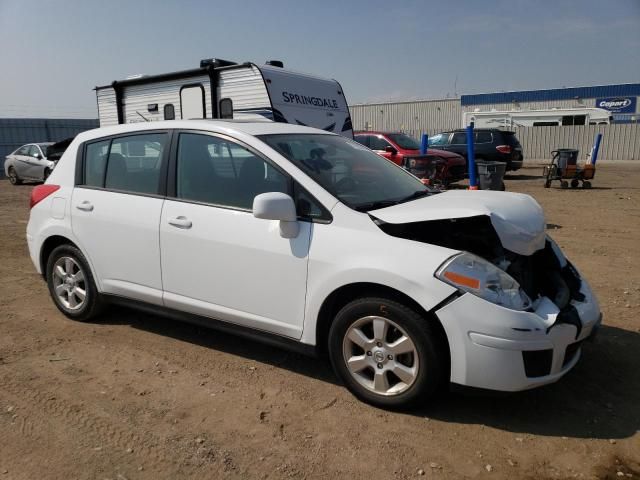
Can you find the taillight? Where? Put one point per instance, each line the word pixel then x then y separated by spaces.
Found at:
pixel 504 148
pixel 41 192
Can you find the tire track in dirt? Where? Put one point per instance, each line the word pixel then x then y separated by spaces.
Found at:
pixel 37 408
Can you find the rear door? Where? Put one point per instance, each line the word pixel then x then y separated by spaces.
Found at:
pixel 116 209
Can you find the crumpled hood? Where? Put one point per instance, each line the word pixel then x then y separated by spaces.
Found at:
pixel 517 218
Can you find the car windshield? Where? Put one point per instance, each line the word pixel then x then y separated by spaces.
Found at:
pixel 354 174
pixel 404 141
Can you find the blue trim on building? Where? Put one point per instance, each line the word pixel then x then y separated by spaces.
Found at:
pixel 622 90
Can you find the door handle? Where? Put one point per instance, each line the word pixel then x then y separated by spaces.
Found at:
pixel 85 206
pixel 180 222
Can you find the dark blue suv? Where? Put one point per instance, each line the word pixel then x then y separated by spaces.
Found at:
pixel 491 144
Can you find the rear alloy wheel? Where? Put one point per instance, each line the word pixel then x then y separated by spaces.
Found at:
pixel 385 353
pixel 13 177
pixel 71 284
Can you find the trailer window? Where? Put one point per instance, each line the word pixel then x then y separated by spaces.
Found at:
pixel 574 119
pixel 226 108
pixel 169 112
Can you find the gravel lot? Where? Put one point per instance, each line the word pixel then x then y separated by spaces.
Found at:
pixel 136 396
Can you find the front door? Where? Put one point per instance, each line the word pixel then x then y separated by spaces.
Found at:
pixel 115 213
pixel 218 260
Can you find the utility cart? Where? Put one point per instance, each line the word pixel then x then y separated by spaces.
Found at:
pixel 564 168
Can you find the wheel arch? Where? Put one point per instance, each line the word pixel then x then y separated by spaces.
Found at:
pixel 346 293
pixel 48 246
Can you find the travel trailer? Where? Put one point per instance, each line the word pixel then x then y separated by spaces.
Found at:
pixel 537 118
pixel 226 90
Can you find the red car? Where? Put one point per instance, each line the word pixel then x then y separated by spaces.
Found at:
pixel 439 166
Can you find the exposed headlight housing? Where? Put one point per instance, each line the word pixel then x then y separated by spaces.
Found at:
pixel 483 279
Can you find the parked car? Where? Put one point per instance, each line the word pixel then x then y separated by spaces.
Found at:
pixel 399 148
pixel 491 144
pixel 302 238
pixel 28 162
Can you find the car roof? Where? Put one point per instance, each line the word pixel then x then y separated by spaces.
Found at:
pixel 215 126
pixel 481 130
pixel 375 132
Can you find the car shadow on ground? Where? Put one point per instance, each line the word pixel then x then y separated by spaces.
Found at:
pixel 599 398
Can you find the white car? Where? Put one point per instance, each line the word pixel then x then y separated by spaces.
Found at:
pixel 309 240
pixel 29 162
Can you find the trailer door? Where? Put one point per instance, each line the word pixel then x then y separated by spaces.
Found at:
pixel 192 101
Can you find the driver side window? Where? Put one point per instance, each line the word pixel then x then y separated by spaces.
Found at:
pixel 220 172
pixel 378 143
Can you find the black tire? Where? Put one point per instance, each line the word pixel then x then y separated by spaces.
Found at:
pixel 13 177
pixel 574 183
pixel 586 184
pixel 93 303
pixel 429 352
pixel 564 184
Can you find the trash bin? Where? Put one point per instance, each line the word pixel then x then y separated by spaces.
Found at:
pixel 491 175
pixel 567 156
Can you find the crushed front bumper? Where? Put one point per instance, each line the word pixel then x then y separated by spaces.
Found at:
pixel 496 348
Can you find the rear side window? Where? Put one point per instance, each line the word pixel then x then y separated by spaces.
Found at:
pixel 484 137
pixel 95 162
pixel 459 138
pixel 129 164
pixel 134 163
pixel 23 150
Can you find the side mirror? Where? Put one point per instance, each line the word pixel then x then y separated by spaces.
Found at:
pixel 390 149
pixel 37 155
pixel 278 206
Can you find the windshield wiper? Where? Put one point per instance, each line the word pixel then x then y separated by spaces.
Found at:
pixel 414 195
pixel 365 207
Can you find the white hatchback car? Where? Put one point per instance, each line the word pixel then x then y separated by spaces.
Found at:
pixel 309 240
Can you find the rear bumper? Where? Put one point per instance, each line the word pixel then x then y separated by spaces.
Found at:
pixel 513 165
pixel 495 348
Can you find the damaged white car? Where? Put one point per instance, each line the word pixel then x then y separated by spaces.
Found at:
pixel 308 240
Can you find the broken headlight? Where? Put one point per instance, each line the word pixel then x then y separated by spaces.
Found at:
pixel 483 279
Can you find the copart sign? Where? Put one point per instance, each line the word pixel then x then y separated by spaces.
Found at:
pixel 618 104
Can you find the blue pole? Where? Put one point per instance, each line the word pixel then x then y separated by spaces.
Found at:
pixel 596 148
pixel 424 144
pixel 473 181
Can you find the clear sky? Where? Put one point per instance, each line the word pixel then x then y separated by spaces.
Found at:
pixel 52 53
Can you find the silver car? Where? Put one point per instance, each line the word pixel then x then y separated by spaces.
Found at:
pixel 28 162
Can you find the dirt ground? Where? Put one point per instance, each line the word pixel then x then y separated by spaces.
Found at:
pixel 134 396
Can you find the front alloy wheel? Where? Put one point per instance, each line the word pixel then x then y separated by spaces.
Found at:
pixel 380 355
pixel 386 353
